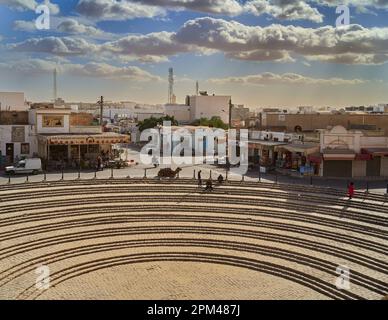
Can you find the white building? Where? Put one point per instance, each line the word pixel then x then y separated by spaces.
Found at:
pixel 17 141
pixel 353 153
pixel 12 101
pixel 204 106
pixel 180 112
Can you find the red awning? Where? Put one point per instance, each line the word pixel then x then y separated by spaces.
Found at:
pixel 363 156
pixel 377 152
pixel 315 158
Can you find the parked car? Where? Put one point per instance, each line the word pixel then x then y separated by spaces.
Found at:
pixel 30 166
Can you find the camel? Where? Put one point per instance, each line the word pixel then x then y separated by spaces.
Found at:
pixel 168 173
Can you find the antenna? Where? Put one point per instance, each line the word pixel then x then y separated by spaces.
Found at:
pixel 55 85
pixel 197 88
pixel 170 85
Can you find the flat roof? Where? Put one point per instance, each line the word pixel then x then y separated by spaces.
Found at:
pixel 267 143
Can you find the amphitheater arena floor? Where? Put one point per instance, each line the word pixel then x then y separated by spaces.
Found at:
pixel 169 240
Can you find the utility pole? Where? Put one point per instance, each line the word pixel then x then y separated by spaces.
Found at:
pixel 230 113
pixel 101 103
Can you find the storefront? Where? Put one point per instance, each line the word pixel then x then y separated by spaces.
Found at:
pixel 77 150
pixel 263 153
pixel 378 163
pixel 338 163
pixel 295 157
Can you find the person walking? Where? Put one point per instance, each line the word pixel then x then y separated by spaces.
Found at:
pixel 99 163
pixel 209 185
pixel 200 178
pixel 351 190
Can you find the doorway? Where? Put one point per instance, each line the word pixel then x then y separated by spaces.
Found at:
pixel 10 149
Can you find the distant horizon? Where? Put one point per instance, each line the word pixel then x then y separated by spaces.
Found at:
pixel 261 52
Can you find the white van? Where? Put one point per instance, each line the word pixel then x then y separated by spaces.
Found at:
pixel 29 166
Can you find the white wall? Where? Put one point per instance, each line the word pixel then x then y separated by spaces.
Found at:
pixel 210 106
pixel 12 101
pixel 6 137
pixel 179 111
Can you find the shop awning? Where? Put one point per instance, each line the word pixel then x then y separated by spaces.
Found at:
pixel 253 144
pixel 315 158
pixel 363 156
pixel 104 138
pixel 338 154
pixel 306 149
pixel 376 152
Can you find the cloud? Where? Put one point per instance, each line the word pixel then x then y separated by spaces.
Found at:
pixel 22 5
pixel 250 42
pixel 27 26
pixel 152 47
pixel 91 69
pixel 261 55
pixel 65 46
pixel 349 58
pixel 117 10
pixel 269 78
pixel 72 26
pixel 224 7
pixel 284 10
pixel 353 44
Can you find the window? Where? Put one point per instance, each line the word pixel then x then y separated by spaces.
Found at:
pixel 25 148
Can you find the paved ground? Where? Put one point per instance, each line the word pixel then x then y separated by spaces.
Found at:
pixel 166 240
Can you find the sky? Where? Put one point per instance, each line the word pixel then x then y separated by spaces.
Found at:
pixel 264 53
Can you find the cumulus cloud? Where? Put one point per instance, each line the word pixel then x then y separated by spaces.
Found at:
pixel 128 9
pixel 231 37
pixel 72 26
pixel 23 5
pixel 117 10
pixel 353 44
pixel 27 26
pixel 225 7
pixel 92 69
pixel 65 46
pixel 269 78
pixel 284 9
pixel 261 55
pixel 152 47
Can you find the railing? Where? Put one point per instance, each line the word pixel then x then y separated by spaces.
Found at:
pixel 191 175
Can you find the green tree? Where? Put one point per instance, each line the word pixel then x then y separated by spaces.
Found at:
pixel 154 122
pixel 214 122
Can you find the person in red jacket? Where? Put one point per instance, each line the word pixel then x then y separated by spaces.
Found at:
pixel 351 190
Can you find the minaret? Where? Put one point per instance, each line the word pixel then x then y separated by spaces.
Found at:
pixel 170 85
pixel 55 85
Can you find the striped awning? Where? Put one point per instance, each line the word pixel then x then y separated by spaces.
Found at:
pixel 85 139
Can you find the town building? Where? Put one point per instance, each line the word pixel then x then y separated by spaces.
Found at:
pixel 293 122
pixel 180 112
pixel 55 134
pixel 66 139
pixel 282 151
pixel 17 138
pixel 12 101
pixel 353 153
pixel 206 106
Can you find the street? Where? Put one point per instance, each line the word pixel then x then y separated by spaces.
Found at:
pixel 188 171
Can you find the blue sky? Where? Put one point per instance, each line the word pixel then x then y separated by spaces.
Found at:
pixel 262 52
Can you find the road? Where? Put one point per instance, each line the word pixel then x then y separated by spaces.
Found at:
pixel 188 171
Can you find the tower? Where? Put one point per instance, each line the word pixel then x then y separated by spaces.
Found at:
pixel 197 88
pixel 170 85
pixel 55 85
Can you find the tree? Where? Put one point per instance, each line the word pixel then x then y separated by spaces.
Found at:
pixel 153 122
pixel 214 122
